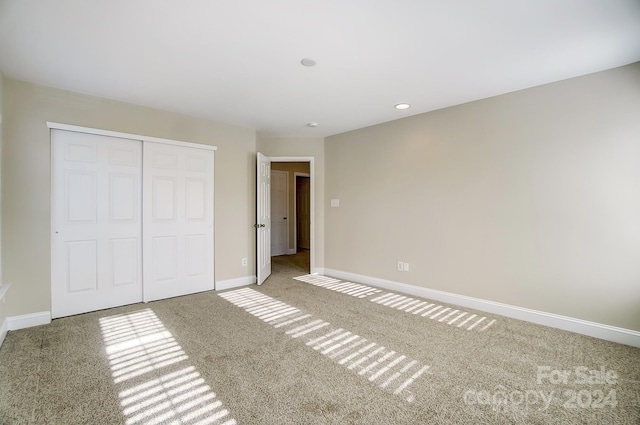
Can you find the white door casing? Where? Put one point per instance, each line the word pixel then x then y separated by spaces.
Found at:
pixel 96 243
pixel 263 218
pixel 279 212
pixel 178 229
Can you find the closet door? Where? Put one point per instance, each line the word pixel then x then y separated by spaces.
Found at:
pixel 96 241
pixel 178 220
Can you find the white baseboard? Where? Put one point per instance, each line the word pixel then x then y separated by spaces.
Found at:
pixel 584 327
pixel 3 310
pixel 28 320
pixel 3 331
pixel 221 285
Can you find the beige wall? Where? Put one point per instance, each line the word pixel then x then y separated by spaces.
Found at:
pixel 26 174
pixel 1 131
pixel 308 147
pixel 291 168
pixel 530 199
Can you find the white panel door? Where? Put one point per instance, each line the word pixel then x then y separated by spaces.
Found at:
pixel 279 212
pixel 96 243
pixel 178 220
pixel 263 218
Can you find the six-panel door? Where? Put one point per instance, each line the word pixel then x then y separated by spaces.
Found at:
pixel 96 249
pixel 178 221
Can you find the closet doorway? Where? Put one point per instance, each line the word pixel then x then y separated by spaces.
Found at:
pixel 131 219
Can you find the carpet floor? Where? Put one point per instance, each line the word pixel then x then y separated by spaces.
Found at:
pixel 304 349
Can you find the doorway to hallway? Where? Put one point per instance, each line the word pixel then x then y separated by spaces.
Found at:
pixel 291 222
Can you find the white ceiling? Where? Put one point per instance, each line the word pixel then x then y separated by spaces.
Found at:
pixel 238 61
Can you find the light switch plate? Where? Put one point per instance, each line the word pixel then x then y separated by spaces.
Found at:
pixel 335 203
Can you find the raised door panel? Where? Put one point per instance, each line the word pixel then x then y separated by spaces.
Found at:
pixel 164 199
pixel 81 266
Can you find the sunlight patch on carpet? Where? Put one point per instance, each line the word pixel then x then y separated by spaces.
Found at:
pixel 385 367
pixel 349 288
pixel 138 344
pixel 438 313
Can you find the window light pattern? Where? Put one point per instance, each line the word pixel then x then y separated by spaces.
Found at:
pixel 457 318
pixel 383 366
pixel 138 344
pixel 447 315
pixel 349 288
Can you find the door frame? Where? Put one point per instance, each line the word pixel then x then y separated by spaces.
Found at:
pixel 297 174
pixel 312 230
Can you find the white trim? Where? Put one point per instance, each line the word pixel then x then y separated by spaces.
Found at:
pixel 4 328
pixel 3 331
pixel 312 206
pixel 28 320
pixel 584 327
pixel 221 285
pixel 101 132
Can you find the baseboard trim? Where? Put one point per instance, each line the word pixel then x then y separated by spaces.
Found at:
pixel 28 320
pixel 221 285
pixel 3 331
pixel 4 328
pixel 584 327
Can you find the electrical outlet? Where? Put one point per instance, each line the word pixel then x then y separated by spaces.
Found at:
pixel 400 266
pixel 244 262
pixel 406 267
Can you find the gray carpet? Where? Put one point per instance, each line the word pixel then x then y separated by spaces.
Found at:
pixel 292 352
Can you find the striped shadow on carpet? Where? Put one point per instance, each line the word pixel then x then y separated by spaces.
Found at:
pixel 383 366
pixel 158 386
pixel 354 289
pixel 447 315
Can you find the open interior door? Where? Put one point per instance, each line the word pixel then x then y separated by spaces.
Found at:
pixel 263 218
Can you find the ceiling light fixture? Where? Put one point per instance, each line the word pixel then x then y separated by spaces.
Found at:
pixel 402 106
pixel 312 124
pixel 308 62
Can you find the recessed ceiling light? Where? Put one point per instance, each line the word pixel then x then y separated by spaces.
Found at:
pixel 308 62
pixel 402 106
pixel 312 124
